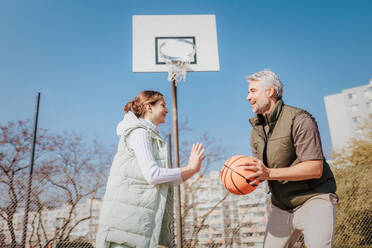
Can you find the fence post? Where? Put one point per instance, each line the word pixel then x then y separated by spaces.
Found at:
pixel 24 235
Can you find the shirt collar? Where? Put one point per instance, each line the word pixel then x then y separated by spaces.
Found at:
pixel 271 117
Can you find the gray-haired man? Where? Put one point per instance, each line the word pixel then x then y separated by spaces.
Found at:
pixel 286 145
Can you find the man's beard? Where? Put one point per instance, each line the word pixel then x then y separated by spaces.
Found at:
pixel 261 107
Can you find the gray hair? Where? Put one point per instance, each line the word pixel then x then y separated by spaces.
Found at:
pixel 268 78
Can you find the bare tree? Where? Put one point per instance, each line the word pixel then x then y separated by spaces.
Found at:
pixel 78 173
pixel 215 154
pixel 201 225
pixel 15 148
pixel 68 171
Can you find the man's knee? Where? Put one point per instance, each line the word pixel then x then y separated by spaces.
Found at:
pixel 317 242
pixel 319 225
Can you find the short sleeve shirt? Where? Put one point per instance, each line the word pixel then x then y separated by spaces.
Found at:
pixel 306 138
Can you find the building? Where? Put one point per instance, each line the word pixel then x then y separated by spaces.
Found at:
pixel 346 111
pixel 238 221
pixel 44 226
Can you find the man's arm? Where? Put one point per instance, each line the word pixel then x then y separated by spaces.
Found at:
pixel 302 171
pixel 308 150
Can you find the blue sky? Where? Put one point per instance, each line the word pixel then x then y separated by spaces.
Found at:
pixel 78 54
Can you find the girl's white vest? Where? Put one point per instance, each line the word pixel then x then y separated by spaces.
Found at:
pixel 135 213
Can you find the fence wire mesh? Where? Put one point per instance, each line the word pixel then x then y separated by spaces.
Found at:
pixel 211 218
pixel 69 179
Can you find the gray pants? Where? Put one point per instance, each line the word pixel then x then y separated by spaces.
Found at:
pixel 315 219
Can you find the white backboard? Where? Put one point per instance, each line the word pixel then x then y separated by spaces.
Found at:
pixel 149 31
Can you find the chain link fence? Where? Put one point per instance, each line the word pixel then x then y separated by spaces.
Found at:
pixel 69 179
pixel 353 227
pixel 354 211
pixel 211 218
pixel 67 176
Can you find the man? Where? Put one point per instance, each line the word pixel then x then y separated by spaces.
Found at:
pixel 286 145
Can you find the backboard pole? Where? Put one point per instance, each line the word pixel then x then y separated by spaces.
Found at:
pixel 177 191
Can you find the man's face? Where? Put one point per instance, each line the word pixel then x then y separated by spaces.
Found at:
pixel 257 98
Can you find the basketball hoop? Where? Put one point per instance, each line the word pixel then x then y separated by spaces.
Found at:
pixel 177 54
pixel 174 51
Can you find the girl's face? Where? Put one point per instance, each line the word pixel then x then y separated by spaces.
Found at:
pixel 158 112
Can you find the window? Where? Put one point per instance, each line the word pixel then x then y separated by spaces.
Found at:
pixel 369 104
pixel 356 119
pixel 368 92
pixel 260 214
pixel 354 107
pixel 352 96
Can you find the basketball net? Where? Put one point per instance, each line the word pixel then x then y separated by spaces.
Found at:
pixel 177 70
pixel 177 65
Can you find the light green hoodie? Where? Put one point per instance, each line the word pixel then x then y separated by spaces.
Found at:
pixel 135 213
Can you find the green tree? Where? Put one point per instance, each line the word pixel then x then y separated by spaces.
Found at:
pixel 352 166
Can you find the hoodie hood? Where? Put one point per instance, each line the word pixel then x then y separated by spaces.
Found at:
pixel 130 121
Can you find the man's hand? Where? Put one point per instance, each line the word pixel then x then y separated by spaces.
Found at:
pixel 302 171
pixel 261 171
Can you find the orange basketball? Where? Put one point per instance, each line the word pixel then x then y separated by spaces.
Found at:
pixel 234 173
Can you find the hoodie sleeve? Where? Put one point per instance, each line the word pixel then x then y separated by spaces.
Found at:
pixel 140 142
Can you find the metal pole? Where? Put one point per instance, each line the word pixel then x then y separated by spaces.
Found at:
pixel 177 191
pixel 23 244
pixel 169 137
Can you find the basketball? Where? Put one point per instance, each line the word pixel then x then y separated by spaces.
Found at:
pixel 234 173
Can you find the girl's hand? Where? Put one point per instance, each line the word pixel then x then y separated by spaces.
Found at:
pixel 196 157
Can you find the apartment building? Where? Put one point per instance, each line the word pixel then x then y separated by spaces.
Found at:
pixel 238 221
pixel 346 111
pixel 43 226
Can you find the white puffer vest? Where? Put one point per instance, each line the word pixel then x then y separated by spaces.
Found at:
pixel 135 213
